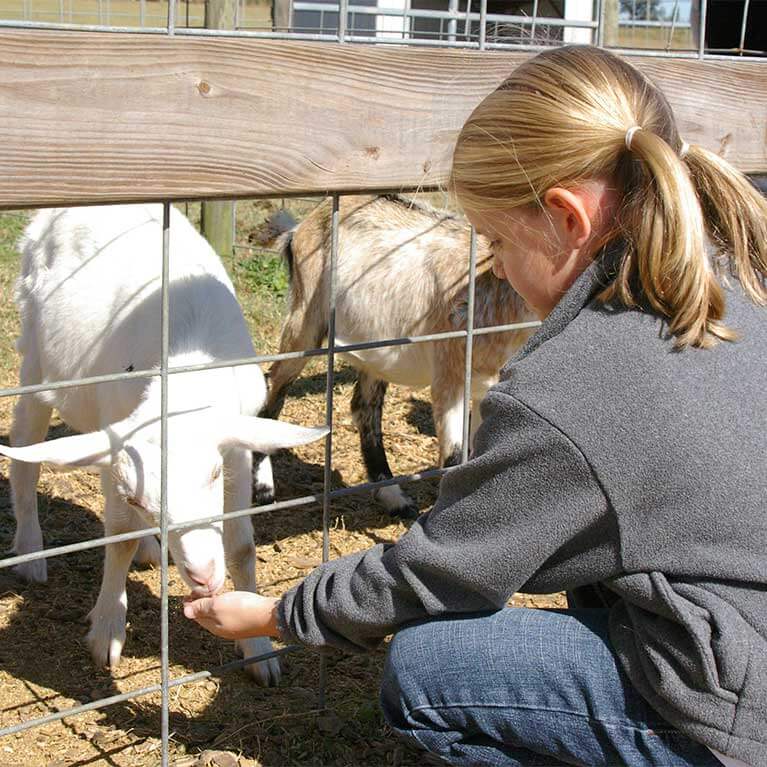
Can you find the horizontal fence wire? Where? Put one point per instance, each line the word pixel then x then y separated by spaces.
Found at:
pixel 140 692
pixel 475 29
pixel 253 511
pixel 716 54
pixel 255 359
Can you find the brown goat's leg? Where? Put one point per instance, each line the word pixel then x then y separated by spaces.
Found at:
pixel 303 329
pixel 447 401
pixel 367 407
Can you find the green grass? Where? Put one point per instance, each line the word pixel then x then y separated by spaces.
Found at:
pixel 266 272
pixel 11 226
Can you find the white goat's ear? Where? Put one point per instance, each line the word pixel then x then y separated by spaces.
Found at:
pixel 265 435
pixel 91 449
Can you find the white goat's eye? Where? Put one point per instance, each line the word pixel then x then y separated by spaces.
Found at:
pixel 134 503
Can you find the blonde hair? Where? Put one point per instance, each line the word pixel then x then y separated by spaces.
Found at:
pixel 561 118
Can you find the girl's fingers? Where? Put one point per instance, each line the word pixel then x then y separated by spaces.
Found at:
pixel 197 609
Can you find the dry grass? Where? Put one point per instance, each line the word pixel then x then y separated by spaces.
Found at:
pixel 44 663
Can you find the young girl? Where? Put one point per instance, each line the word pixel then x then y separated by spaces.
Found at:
pixel 621 458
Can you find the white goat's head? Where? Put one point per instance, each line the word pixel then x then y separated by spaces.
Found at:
pixel 195 476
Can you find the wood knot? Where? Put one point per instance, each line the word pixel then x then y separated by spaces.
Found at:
pixel 203 88
pixel 373 152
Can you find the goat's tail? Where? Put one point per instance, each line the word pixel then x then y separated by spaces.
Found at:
pixel 277 231
pixel 283 226
pixel 280 222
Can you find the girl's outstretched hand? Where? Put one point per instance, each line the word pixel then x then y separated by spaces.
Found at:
pixel 234 615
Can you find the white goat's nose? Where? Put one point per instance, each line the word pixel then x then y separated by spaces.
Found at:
pixel 202 575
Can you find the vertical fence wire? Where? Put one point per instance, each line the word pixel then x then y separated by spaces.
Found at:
pixel 343 12
pixel 164 643
pixel 743 25
pixel 452 23
pixel 702 29
pixel 482 24
pixel 600 13
pixel 330 383
pixel 674 13
pixel 469 349
pixel 164 351
pixel 467 21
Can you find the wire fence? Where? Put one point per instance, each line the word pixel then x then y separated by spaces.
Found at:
pixel 478 31
pixel 682 26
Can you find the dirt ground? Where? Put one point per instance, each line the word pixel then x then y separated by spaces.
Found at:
pixel 44 661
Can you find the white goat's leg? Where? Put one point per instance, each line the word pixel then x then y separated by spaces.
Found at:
pixel 147 552
pixel 241 559
pixel 30 424
pixel 367 409
pixel 107 634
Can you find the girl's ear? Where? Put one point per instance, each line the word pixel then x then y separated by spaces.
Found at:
pixel 571 213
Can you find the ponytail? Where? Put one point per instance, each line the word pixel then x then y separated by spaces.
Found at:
pixel 666 262
pixel 736 214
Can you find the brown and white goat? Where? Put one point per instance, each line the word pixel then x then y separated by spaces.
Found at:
pixel 403 271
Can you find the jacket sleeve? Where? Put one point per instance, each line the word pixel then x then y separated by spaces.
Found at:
pixel 527 497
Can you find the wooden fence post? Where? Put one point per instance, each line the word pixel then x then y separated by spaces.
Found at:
pixel 610 21
pixel 217 222
pixel 282 11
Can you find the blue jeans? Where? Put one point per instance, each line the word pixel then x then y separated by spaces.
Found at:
pixel 525 687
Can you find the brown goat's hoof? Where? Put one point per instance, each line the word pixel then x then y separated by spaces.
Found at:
pixel 410 511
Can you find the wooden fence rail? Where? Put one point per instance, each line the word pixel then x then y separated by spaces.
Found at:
pixel 101 117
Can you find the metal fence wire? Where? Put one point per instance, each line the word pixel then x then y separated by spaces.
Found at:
pixel 477 22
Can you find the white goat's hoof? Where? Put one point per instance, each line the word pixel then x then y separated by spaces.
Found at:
pixel 35 571
pixel 267 673
pixel 148 552
pixel 106 640
pixel 29 540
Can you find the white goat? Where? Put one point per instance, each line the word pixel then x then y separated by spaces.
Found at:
pixel 89 295
pixel 402 271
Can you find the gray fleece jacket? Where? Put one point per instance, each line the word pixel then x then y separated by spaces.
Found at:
pixel 605 457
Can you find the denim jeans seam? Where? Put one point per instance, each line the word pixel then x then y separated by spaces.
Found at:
pixel 605 722
pixel 414 734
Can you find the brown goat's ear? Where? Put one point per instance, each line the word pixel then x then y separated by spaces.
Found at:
pixel 265 435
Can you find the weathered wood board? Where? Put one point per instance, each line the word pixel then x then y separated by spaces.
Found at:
pixel 103 117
